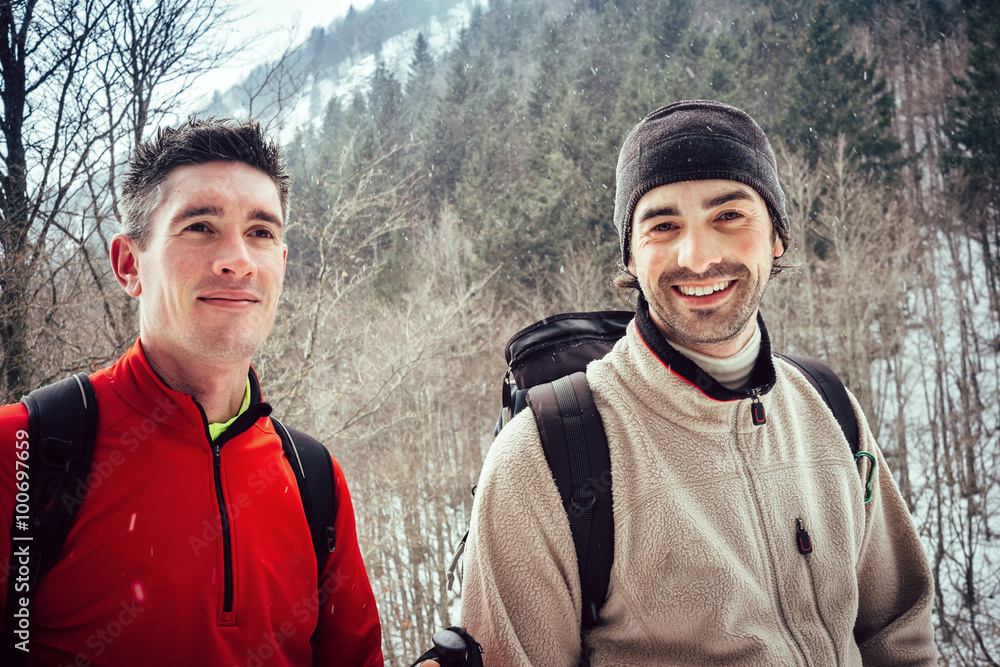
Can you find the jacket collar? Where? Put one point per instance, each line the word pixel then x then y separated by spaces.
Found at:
pixel 762 378
pixel 136 383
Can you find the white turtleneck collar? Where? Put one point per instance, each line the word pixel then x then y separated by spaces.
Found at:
pixel 732 372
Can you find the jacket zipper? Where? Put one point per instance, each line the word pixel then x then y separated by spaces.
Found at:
pixel 224 527
pixel 227 547
pixel 241 424
pixel 805 545
pixel 761 524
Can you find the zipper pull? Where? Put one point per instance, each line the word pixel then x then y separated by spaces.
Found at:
pixel 802 538
pixel 757 409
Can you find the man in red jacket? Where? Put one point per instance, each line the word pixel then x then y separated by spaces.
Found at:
pixel 191 545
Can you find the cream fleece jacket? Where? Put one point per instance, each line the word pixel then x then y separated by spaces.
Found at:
pixel 706 565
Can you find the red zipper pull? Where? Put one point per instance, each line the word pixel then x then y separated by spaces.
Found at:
pixel 757 409
pixel 802 538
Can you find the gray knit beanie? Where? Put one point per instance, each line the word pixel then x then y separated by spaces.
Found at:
pixel 693 141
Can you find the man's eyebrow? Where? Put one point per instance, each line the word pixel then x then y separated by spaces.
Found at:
pixel 215 211
pixel 261 214
pixel 726 197
pixel 657 212
pixel 196 212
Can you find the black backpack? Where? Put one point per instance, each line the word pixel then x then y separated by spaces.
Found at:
pixel 62 428
pixel 545 370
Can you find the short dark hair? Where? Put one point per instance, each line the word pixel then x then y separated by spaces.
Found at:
pixel 197 141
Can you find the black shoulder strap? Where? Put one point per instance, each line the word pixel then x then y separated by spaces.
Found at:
pixel 313 470
pixel 833 392
pixel 576 448
pixel 62 427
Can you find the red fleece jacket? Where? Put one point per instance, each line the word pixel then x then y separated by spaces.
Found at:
pixel 144 576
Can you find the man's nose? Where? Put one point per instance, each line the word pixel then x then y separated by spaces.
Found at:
pixel 698 249
pixel 234 257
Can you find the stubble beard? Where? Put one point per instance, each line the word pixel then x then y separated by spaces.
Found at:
pixel 219 340
pixel 234 344
pixel 701 327
pixel 234 340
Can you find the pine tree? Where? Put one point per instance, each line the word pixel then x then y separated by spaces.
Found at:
pixel 728 71
pixel 333 119
pixel 548 82
pixel 385 99
pixel 834 92
pixel 421 67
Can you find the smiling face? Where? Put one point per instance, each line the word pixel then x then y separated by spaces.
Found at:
pixel 212 270
pixel 702 251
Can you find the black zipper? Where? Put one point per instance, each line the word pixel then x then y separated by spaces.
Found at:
pixel 227 539
pixel 254 411
pixel 804 542
pixel 242 423
pixel 227 542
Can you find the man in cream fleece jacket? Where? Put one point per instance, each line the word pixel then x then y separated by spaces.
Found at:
pixel 709 498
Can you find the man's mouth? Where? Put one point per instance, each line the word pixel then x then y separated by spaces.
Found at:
pixel 229 297
pixel 693 290
pixel 222 301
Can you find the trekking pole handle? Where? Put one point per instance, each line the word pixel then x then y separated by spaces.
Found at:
pixel 451 649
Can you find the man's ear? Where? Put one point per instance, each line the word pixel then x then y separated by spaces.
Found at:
pixel 125 263
pixel 779 247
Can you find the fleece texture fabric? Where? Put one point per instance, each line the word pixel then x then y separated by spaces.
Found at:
pixel 178 558
pixel 707 509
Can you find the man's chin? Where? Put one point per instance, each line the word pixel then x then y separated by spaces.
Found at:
pixel 692 338
pixel 226 349
pixel 701 328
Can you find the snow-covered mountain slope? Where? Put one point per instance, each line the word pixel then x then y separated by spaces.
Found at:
pixel 338 61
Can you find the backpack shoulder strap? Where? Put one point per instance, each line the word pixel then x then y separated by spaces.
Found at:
pixel 313 470
pixel 62 427
pixel 576 448
pixel 833 392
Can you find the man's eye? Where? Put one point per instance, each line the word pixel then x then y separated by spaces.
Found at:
pixel 263 233
pixel 197 227
pixel 731 215
pixel 665 227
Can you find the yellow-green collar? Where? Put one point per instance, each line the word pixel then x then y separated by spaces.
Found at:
pixel 215 430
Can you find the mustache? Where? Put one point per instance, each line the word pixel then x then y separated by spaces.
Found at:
pixel 726 269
